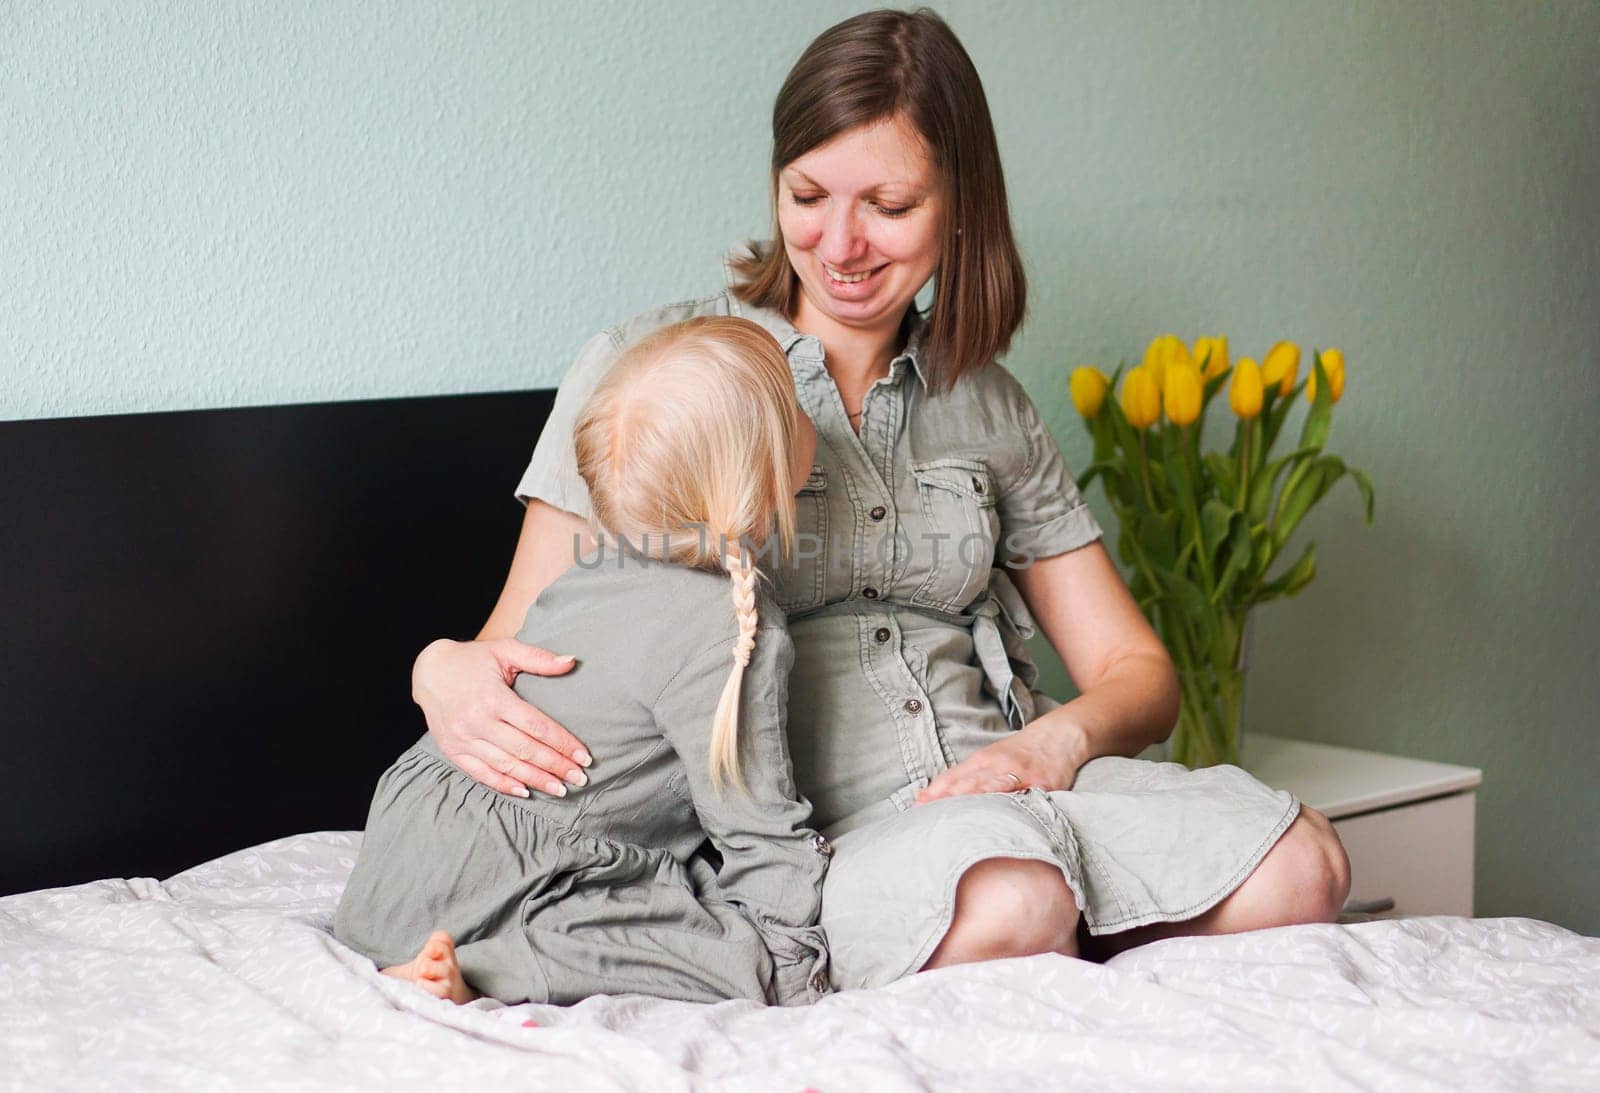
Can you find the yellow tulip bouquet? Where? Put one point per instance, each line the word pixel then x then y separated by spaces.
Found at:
pixel 1202 529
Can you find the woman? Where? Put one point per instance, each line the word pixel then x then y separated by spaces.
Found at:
pixel 973 817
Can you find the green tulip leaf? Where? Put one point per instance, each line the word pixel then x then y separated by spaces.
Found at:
pixel 1157 536
pixel 1364 484
pixel 1238 557
pixel 1262 551
pixel 1105 441
pixel 1176 468
pixel 1275 418
pixel 1182 563
pixel 1193 605
pixel 1114 471
pixel 1314 433
pixel 1319 478
pixel 1125 548
pixel 1215 519
pixel 1298 496
pixel 1127 437
pixel 1293 579
pixel 1160 483
pixel 1128 491
pixel 1223 474
pixel 1265 482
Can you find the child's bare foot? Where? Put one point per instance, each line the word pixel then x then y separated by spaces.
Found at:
pixel 435 970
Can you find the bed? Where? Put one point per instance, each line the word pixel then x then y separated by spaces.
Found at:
pixel 187 600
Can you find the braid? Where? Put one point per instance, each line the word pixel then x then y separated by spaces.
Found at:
pixel 743 575
pixel 725 727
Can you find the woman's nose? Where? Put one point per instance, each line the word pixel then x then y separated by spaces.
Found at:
pixel 843 241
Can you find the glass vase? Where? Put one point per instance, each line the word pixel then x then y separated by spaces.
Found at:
pixel 1211 717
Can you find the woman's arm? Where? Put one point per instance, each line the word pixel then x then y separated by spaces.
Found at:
pixel 464 688
pixel 550 541
pixel 1129 688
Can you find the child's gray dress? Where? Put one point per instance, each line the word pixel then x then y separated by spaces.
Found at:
pixel 601 892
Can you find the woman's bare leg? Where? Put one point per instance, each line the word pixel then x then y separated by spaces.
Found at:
pixel 435 970
pixel 1305 877
pixel 1009 907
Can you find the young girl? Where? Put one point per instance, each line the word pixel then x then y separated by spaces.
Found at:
pixel 692 448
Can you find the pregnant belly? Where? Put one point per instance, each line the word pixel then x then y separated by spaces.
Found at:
pixel 870 721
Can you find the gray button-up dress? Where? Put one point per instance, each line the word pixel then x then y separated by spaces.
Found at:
pixel 602 891
pixel 909 656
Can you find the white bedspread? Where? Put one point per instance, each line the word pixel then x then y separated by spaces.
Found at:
pixel 226 976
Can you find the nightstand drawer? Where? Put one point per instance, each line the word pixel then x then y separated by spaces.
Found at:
pixel 1418 855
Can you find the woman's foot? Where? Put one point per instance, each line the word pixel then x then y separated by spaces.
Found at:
pixel 435 970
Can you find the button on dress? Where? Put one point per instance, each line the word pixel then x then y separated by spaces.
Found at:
pixel 909 656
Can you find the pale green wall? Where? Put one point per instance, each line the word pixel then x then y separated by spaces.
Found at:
pixel 224 204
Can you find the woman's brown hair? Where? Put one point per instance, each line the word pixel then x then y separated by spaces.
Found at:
pixel 870 68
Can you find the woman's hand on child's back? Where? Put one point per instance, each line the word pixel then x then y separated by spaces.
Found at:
pixel 483 727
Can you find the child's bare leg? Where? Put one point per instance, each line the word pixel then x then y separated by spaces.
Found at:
pixel 435 970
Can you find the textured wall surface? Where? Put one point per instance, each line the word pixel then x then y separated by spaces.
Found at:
pixel 226 204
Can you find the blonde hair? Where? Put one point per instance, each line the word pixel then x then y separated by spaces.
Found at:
pixel 685 447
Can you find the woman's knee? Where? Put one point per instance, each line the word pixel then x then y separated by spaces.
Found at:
pixel 1009 907
pixel 1313 869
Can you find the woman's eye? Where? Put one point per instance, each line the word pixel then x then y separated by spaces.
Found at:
pixel 889 210
pixel 805 202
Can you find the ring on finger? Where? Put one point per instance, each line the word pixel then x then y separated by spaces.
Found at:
pixel 1016 783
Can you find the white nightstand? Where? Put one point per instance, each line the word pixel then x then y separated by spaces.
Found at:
pixel 1407 824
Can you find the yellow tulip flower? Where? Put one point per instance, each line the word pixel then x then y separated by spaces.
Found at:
pixel 1182 392
pixel 1164 351
pixel 1141 398
pixel 1280 366
pixel 1333 364
pixel 1088 386
pixel 1218 346
pixel 1244 393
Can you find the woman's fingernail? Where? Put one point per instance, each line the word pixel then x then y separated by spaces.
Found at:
pixel 520 791
pixel 577 777
pixel 556 789
pixel 583 758
pixel 568 657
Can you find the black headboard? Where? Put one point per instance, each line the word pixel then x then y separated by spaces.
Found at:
pixel 208 618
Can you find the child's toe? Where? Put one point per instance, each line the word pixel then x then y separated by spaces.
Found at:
pixel 438 987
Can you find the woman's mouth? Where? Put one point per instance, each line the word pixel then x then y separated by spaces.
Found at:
pixel 850 282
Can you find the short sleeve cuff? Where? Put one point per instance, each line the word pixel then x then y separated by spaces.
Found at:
pixel 544 484
pixel 552 474
pixel 1066 532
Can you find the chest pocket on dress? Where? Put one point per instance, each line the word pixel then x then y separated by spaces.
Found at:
pixel 797 579
pixel 958 499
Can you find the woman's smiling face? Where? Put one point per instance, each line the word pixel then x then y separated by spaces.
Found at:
pixel 861 218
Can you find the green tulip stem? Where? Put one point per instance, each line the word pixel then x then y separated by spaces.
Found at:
pixel 1244 461
pixel 1186 434
pixel 1144 472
